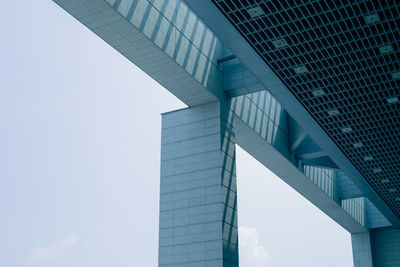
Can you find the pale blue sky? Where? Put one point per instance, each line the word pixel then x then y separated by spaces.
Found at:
pixel 80 157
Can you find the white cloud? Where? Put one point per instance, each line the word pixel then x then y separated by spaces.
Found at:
pixel 252 254
pixel 48 256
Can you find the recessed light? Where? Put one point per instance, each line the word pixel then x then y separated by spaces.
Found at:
pixel 396 75
pixel 385 181
pixel 333 112
pixel 377 170
pixel 347 130
pixel 280 43
pixel 370 19
pixel 358 145
pixel 386 49
pixel 392 190
pixel 255 11
pixel 368 158
pixel 318 92
pixel 301 69
pixel 392 100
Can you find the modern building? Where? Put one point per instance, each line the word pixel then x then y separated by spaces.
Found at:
pixel 309 88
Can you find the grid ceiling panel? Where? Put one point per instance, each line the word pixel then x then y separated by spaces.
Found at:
pixel 350 51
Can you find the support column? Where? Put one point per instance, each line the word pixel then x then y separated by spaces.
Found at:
pixel 386 247
pixel 198 205
pixel 362 249
pixel 377 248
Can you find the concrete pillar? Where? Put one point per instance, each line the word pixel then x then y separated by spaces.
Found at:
pixel 377 248
pixel 198 205
pixel 386 247
pixel 362 249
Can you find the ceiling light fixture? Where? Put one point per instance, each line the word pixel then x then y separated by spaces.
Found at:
pixel 377 170
pixel 280 43
pixel 386 49
pixel 333 112
pixel 368 158
pixel 396 75
pixel 358 145
pixel 255 11
pixel 373 18
pixel 301 69
pixel 318 92
pixel 392 100
pixel 346 129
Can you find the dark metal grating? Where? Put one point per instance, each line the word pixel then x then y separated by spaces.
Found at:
pixel 341 60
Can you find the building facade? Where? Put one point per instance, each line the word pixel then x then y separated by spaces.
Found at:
pixel 309 89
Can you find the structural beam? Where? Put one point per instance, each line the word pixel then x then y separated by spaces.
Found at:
pixel 312 155
pixel 324 161
pixel 267 155
pixel 375 219
pixel 238 79
pixel 296 134
pixel 249 57
pixel 174 48
pixel 297 141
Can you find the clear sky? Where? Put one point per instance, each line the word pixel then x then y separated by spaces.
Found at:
pixel 80 157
